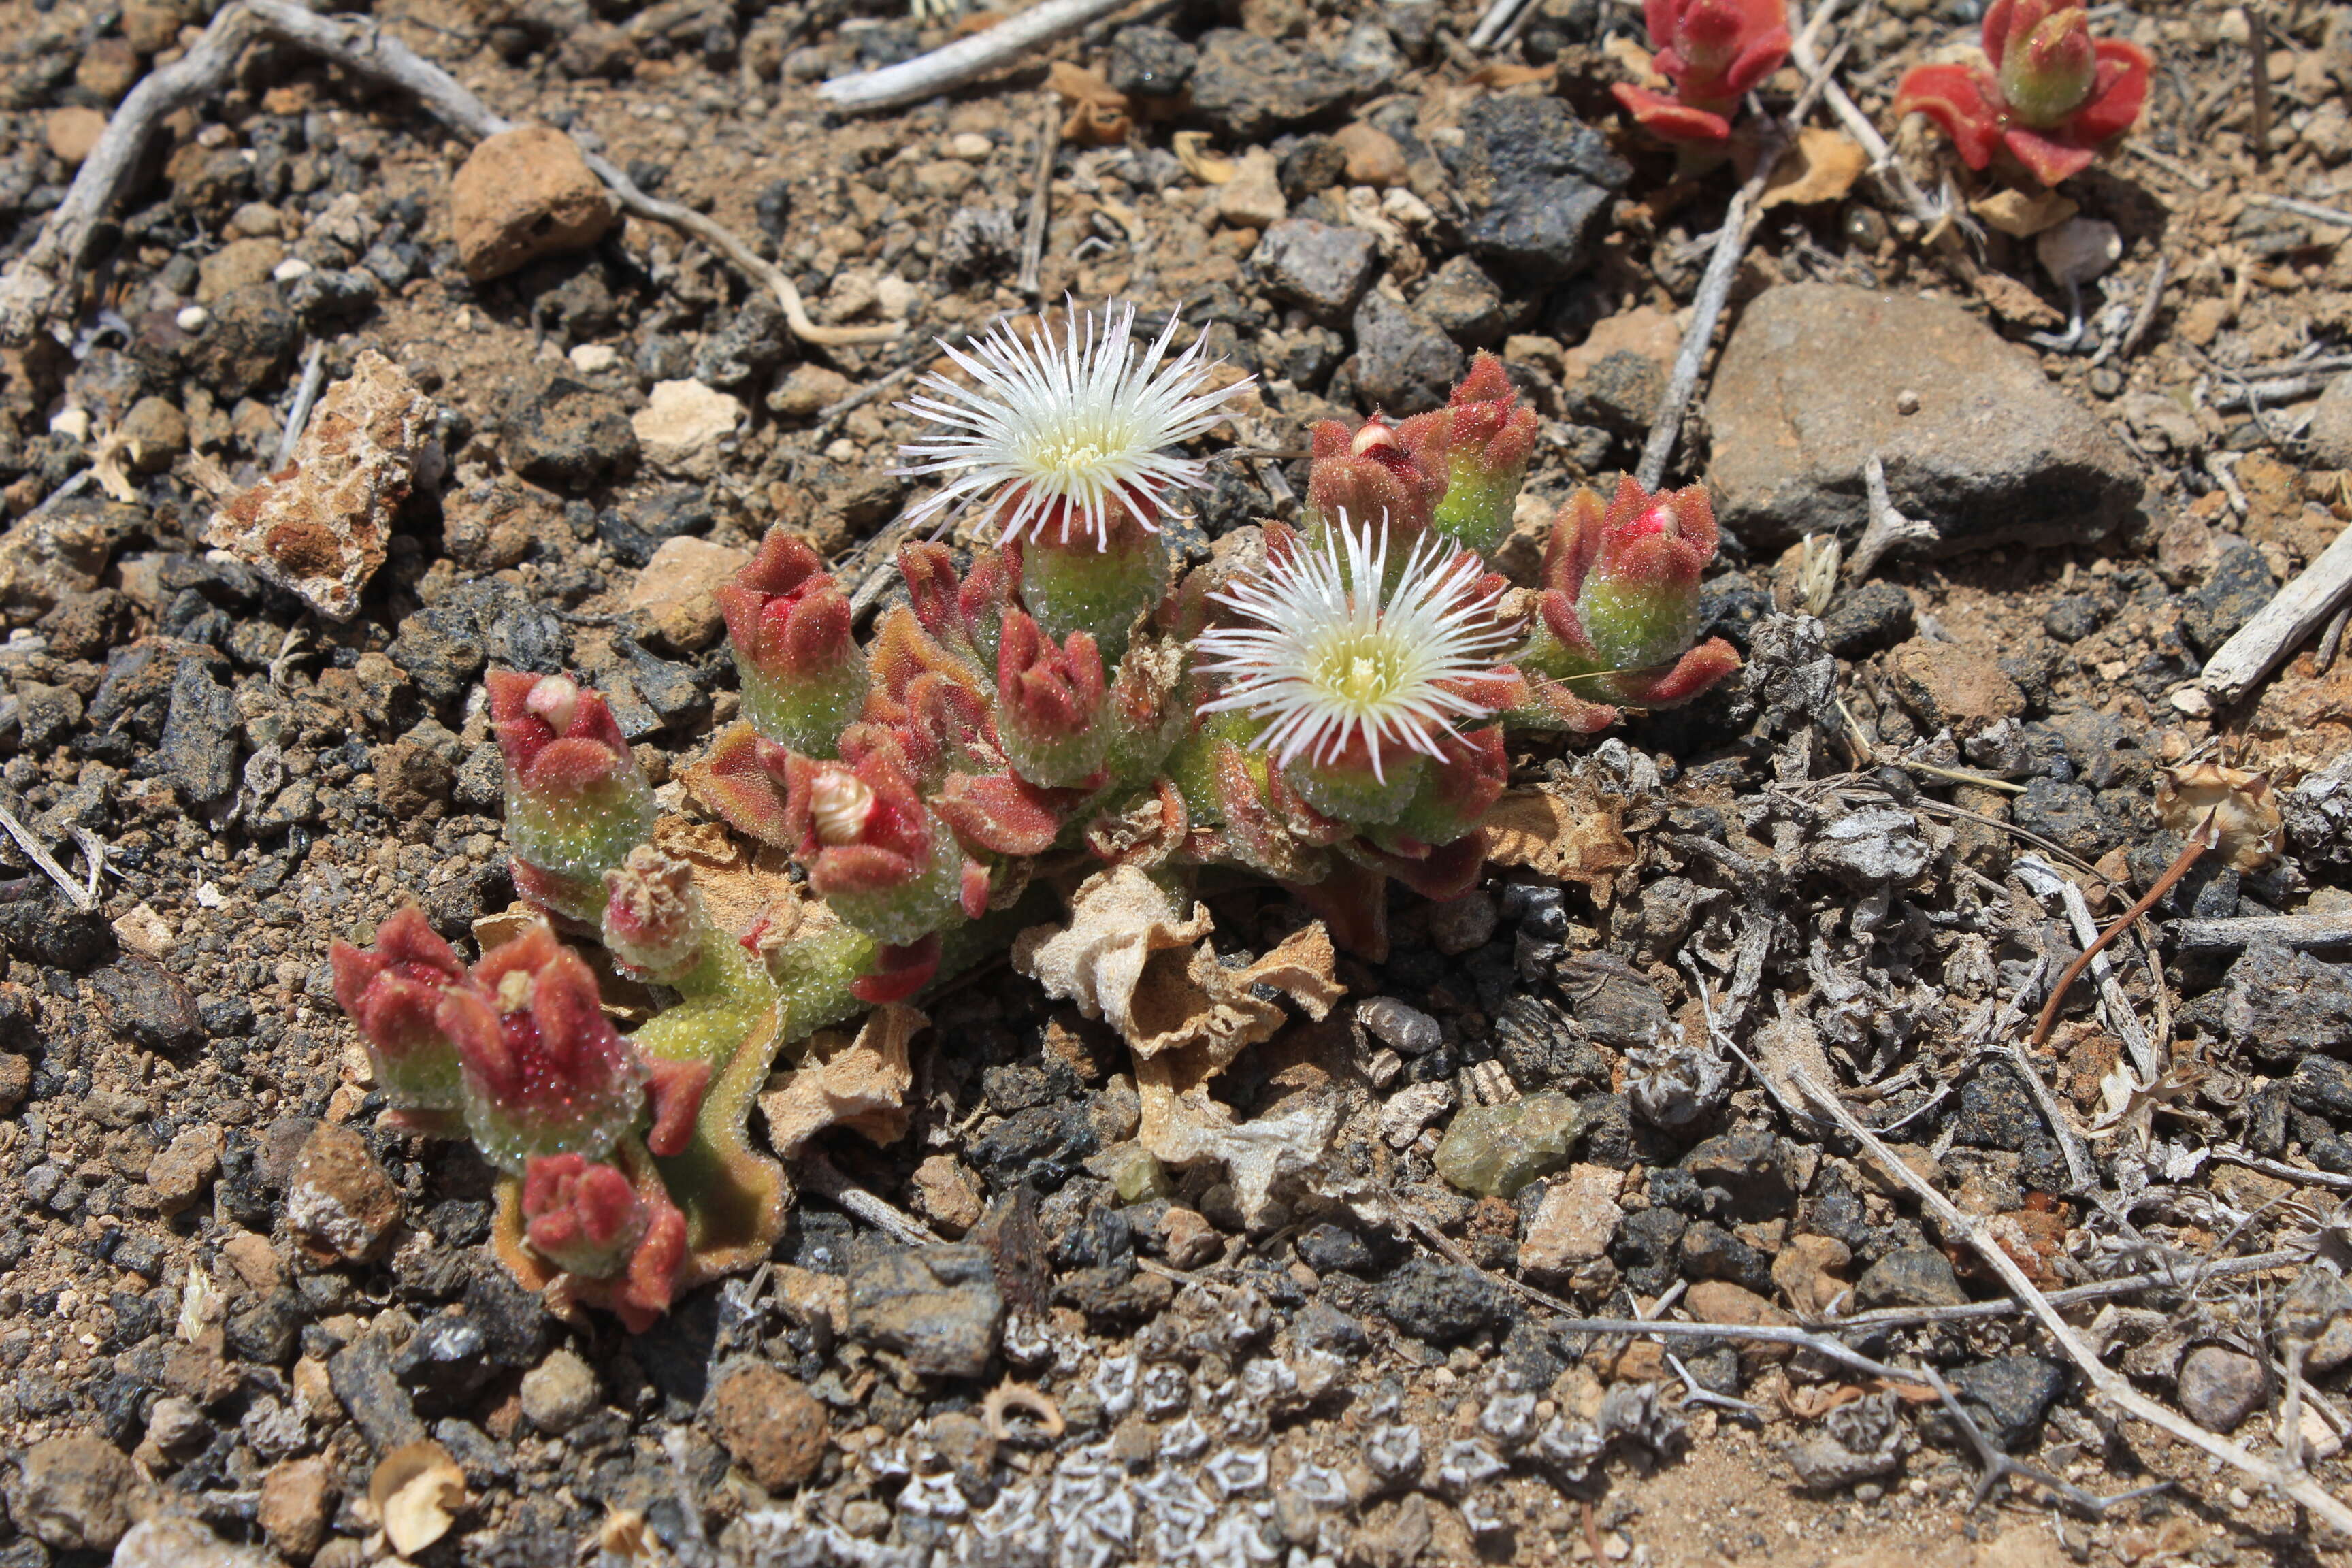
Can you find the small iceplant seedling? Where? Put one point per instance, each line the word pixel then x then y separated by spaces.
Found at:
pixel 1323 706
pixel 2053 100
pixel 1712 51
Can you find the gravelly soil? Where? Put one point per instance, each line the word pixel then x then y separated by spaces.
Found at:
pixel 1324 1384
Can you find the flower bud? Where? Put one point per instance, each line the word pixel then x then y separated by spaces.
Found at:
pixel 575 801
pixel 620 1245
pixel 789 625
pixel 1620 605
pixel 1371 472
pixel 1480 442
pixel 1712 51
pixel 544 1072
pixel 652 918
pixel 2047 63
pixel 964 615
pixel 393 993
pixel 1050 704
pixel 873 851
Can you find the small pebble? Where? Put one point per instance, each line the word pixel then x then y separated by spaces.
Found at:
pixel 1906 401
pixel 1406 1029
pixel 192 318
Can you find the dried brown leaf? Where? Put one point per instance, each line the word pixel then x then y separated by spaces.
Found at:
pixel 2020 215
pixel 860 1084
pixel 1098 114
pixel 1192 152
pixel 416 1489
pixel 1824 166
pixel 1570 831
pixel 2245 809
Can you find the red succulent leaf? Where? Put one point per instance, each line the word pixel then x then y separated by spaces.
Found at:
pixel 1669 119
pixel 1953 97
pixel 392 991
pixel 675 1088
pixel 2047 158
pixel 1691 674
pixel 556 737
pixel 899 972
pixel 2119 94
pixel 1002 814
pixel 1370 473
pixel 742 788
pixel 859 830
pixel 785 614
pixel 1047 690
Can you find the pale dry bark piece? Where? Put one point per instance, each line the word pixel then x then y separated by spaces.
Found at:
pixel 860 1084
pixel 1127 957
pixel 319 526
pixel 415 1490
pixel 1570 831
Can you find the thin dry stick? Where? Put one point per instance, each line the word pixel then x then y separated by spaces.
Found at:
pixel 1714 290
pixel 314 372
pixel 2111 1385
pixel 2331 642
pixel 824 1179
pixel 2105 1289
pixel 38 287
pixel 2204 836
pixel 1041 198
pixel 361 46
pixel 40 857
pixel 2258 60
pixel 2079 1169
pixel 2148 302
pixel 2280 626
pixel 1858 126
pixel 1888 530
pixel 2326 929
pixel 966 60
pixel 2311 210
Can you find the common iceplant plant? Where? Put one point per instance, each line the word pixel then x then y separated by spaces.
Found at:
pixel 1713 52
pixel 2053 100
pixel 1325 707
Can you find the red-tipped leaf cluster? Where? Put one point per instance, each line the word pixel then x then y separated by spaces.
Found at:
pixel 2054 99
pixel 1712 51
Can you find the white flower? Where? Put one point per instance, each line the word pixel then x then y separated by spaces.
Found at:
pixel 1063 433
pixel 1329 663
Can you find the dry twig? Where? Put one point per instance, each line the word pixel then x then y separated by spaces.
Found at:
pixel 1888 530
pixel 2326 929
pixel 36 288
pixel 2112 1385
pixel 966 60
pixel 314 373
pixel 1041 199
pixel 826 1179
pixel 84 900
pixel 2279 627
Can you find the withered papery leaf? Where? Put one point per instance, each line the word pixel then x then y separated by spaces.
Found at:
pixel 861 1083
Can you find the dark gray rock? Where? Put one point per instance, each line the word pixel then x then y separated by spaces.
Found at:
pixel 1464 302
pixel 1748 1173
pixel 327 295
pixel 1876 615
pixel 1324 268
pixel 938 1306
pixel 246 341
pixel 2283 1005
pixel 198 752
pixel 1249 86
pixel 1711 1252
pixel 567 434
pixel 1324 1248
pixel 1403 365
pixel 1150 62
pixel 2239 584
pixel 1442 1302
pixel 1313 165
pixel 2067 813
pixel 1537 182
pixel 2322 1085
pixel 1806 393
pixel 2220 1387
pixel 1997 1110
pixel 1910 1276
pixel 2071 617
pixel 147 1004
pixel 264 1330
pixel 2008 1397
pixel 1649 1249
pixel 362 1376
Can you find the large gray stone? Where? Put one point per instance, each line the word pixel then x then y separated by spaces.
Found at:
pixel 2331 426
pixel 1994 454
pixel 937 1305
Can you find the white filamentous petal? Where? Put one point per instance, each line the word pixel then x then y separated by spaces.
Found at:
pixel 1329 662
pixel 1075 427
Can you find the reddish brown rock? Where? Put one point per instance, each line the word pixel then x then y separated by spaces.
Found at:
pixel 524 193
pixel 769 1425
pixel 340 1204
